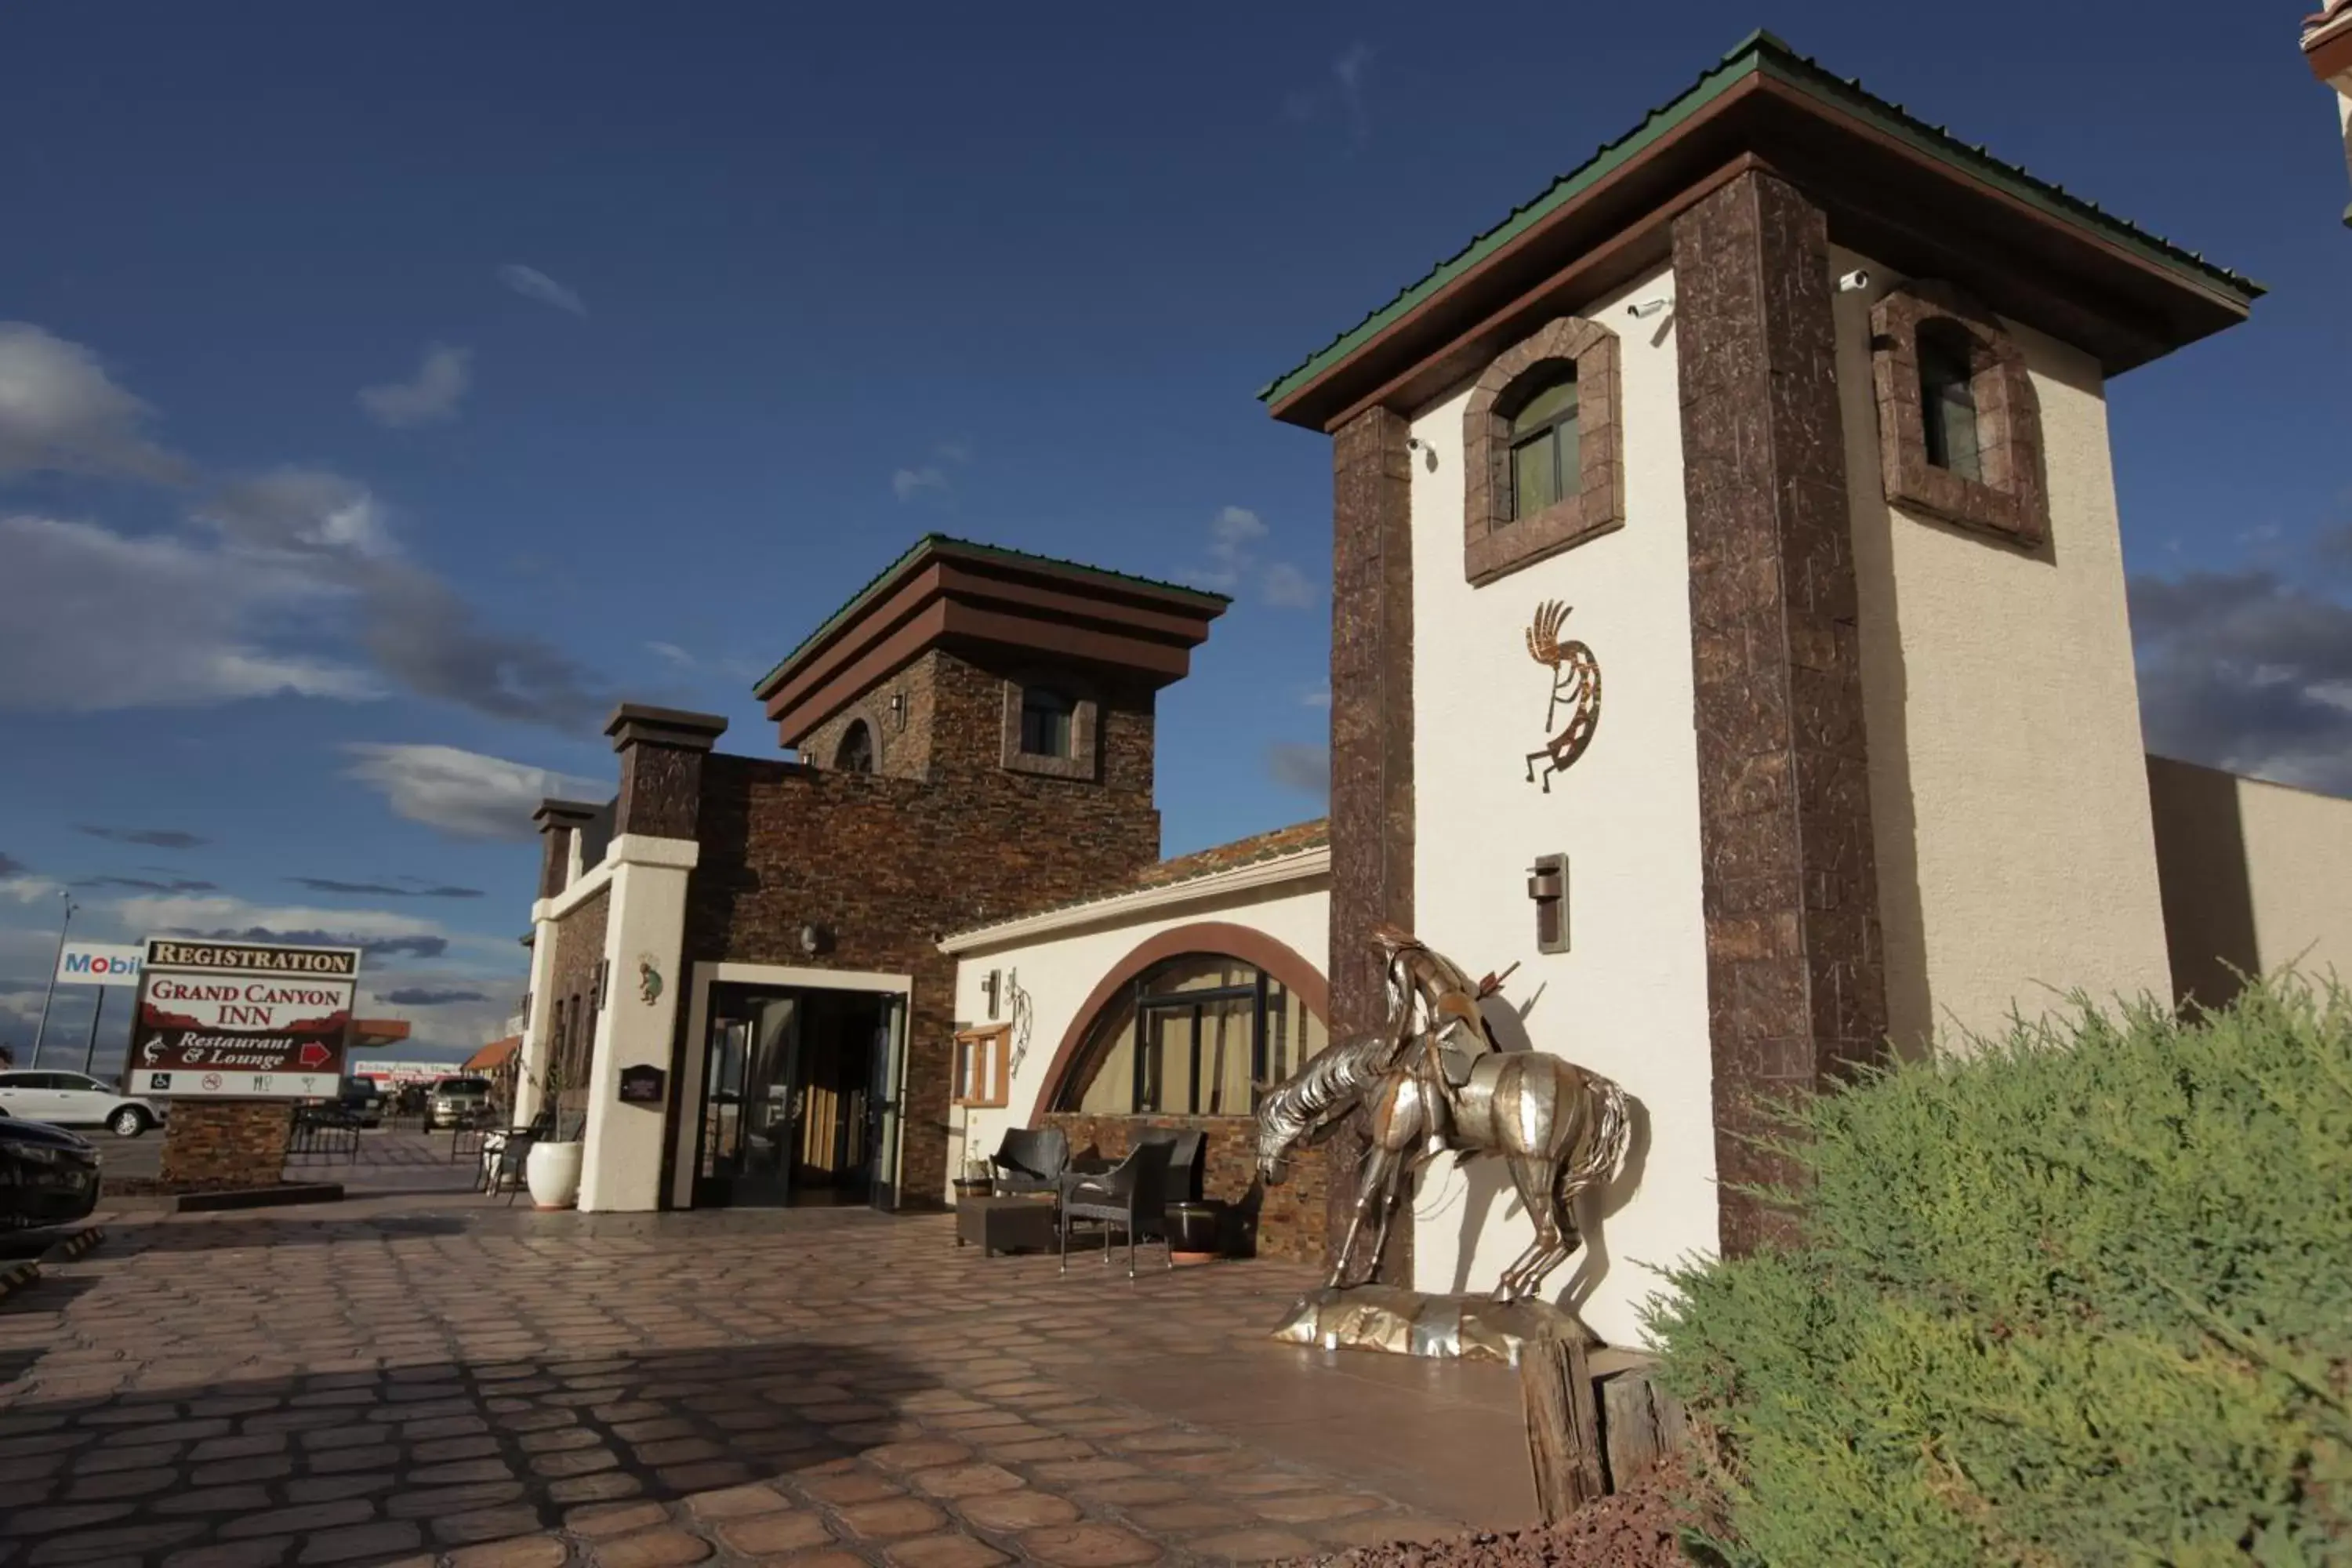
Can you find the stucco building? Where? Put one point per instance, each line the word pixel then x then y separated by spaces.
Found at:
pixel 1730 632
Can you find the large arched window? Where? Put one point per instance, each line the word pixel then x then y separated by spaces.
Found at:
pixel 1192 1036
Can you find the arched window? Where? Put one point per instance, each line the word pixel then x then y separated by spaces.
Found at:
pixel 856 752
pixel 1044 722
pixel 1948 399
pixel 1545 449
pixel 1192 1036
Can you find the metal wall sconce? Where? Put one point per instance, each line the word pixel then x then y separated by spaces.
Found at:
pixel 897 710
pixel 1548 887
pixel 813 939
pixel 991 988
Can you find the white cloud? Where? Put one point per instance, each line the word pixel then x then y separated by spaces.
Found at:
pixel 300 509
pixel 464 793
pixel 1235 563
pixel 1287 587
pixel 1300 765
pixel 909 483
pixel 670 653
pixel 532 284
pixel 430 395
pixel 931 477
pixel 91 619
pixel 1318 698
pixel 60 411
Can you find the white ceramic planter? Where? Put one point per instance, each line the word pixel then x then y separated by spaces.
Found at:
pixel 554 1171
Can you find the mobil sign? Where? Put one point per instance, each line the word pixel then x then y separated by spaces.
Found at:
pixel 99 964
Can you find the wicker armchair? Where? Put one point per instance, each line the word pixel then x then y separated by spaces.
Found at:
pixel 1031 1160
pixel 1132 1196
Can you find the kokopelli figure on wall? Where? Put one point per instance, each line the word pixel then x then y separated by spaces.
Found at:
pixel 1575 681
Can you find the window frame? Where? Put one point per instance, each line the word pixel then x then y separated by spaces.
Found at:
pixel 2009 497
pixel 1140 1002
pixel 1084 761
pixel 983 1068
pixel 858 726
pixel 1495 540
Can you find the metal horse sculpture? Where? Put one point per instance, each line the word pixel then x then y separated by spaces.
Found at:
pixel 1558 1127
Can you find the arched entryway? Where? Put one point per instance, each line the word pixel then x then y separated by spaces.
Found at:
pixel 1186 1024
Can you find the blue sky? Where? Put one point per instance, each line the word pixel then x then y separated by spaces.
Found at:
pixel 389 390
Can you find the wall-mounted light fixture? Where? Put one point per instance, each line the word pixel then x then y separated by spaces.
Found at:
pixel 1548 887
pixel 991 988
pixel 811 939
pixel 899 709
pixel 1428 453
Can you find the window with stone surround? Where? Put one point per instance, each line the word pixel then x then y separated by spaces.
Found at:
pixel 1959 425
pixel 1543 449
pixel 1049 728
pixel 856 752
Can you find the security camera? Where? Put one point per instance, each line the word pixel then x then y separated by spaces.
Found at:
pixel 1428 453
pixel 1854 282
pixel 1646 309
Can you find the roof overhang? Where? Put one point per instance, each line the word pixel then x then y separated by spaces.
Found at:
pixel 1904 193
pixel 1155 904
pixel 947 593
pixel 2328 43
pixel 374 1034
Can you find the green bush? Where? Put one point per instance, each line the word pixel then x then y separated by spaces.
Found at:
pixel 2083 1297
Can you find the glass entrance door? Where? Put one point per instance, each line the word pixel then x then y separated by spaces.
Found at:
pixel 883 1104
pixel 749 1109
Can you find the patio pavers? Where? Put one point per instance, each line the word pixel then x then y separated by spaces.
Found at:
pixel 445 1379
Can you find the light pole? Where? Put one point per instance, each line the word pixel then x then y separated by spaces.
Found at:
pixel 51 993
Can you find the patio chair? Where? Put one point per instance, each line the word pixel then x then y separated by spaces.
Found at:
pixel 1132 1196
pixel 1031 1160
pixel 513 1154
pixel 1183 1163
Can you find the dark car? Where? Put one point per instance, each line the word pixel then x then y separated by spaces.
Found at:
pixel 48 1175
pixel 361 1101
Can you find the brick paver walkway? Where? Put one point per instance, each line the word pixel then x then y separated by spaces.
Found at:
pixel 404 1377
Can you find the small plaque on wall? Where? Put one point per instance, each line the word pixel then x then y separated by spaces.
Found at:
pixel 643 1085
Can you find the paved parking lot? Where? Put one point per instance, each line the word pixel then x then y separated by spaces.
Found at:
pixel 404 1376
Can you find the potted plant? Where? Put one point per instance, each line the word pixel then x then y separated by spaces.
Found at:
pixel 976 1181
pixel 553 1169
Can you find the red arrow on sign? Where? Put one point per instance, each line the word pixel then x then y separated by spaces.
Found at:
pixel 315 1054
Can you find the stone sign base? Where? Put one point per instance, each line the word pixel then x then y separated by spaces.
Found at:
pixel 1407 1323
pixel 226 1143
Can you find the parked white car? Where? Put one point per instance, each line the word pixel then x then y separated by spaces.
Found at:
pixel 75 1100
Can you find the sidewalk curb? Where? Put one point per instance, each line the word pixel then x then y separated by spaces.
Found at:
pixel 74 1245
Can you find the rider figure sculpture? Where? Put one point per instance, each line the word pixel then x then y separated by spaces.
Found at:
pixel 1451 1033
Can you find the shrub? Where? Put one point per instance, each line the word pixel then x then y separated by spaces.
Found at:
pixel 2081 1297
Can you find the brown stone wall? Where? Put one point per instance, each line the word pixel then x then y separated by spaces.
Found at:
pixel 886 866
pixel 955 721
pixel 1796 989
pixel 579 949
pixel 1372 741
pixel 1290 1220
pixel 226 1143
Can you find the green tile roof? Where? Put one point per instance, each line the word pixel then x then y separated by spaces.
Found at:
pixel 1762 54
pixel 969 548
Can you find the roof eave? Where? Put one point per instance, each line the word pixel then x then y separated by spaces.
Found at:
pixel 1764 91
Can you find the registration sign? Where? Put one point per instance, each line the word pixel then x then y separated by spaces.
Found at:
pixel 238 1020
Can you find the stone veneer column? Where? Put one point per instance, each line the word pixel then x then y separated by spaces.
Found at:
pixel 1371 754
pixel 652 853
pixel 1796 991
pixel 559 824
